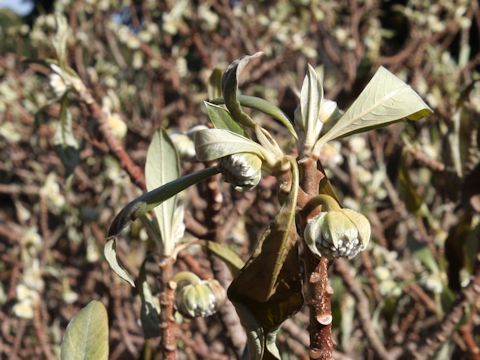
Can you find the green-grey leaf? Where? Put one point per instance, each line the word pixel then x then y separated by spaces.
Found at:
pixel 384 100
pixel 162 166
pixel 110 253
pixel 148 201
pixel 311 97
pixel 214 87
pixel 64 140
pixel 61 38
pixel 150 310
pixel 230 89
pixel 86 337
pixel 226 254
pixel 222 119
pixel 213 144
pixel 264 106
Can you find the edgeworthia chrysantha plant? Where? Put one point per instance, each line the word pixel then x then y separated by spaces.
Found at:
pixel 267 289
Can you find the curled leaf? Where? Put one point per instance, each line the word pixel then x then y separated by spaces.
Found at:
pixel 110 253
pixel 264 106
pixel 230 89
pixel 222 119
pixel 213 144
pixel 148 201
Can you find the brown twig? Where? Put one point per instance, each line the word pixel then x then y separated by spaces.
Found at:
pixel 41 331
pixel 229 316
pixel 362 308
pixel 167 319
pixel 319 289
pixel 449 323
pixel 116 147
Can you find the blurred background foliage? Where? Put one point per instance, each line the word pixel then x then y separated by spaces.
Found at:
pixel 147 64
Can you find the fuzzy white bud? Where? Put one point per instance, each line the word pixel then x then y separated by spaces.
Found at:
pixel 338 233
pixel 243 170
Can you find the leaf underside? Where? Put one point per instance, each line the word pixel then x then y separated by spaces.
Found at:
pixel 86 337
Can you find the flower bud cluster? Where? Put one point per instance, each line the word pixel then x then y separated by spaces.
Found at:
pixel 199 298
pixel 337 233
pixel 243 170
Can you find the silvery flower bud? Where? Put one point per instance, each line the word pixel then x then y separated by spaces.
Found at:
pixel 328 109
pixel 200 299
pixel 58 84
pixel 243 170
pixel 337 233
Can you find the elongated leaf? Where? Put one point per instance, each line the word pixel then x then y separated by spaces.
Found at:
pixel 110 253
pixel 64 140
pixel 268 288
pixel 86 337
pixel 212 144
pixel 148 201
pixel 226 254
pixel 222 119
pixel 384 100
pixel 161 167
pixel 264 106
pixel 311 97
pixel 230 89
pixel 61 38
pixel 214 87
pixel 150 310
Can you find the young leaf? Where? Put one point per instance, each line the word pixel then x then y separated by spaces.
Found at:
pixel 86 337
pixel 64 140
pixel 384 100
pixel 150 200
pixel 163 166
pixel 230 89
pixel 226 254
pixel 311 97
pixel 264 106
pixel 214 87
pixel 222 119
pixel 150 310
pixel 110 253
pixel 212 144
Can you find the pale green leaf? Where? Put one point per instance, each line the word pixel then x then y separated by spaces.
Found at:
pixel 264 106
pixel 213 144
pixel 384 100
pixel 311 97
pixel 214 87
pixel 222 119
pixel 150 310
pixel 110 253
pixel 148 201
pixel 230 89
pixel 64 140
pixel 61 38
pixel 86 337
pixel 226 254
pixel 162 166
